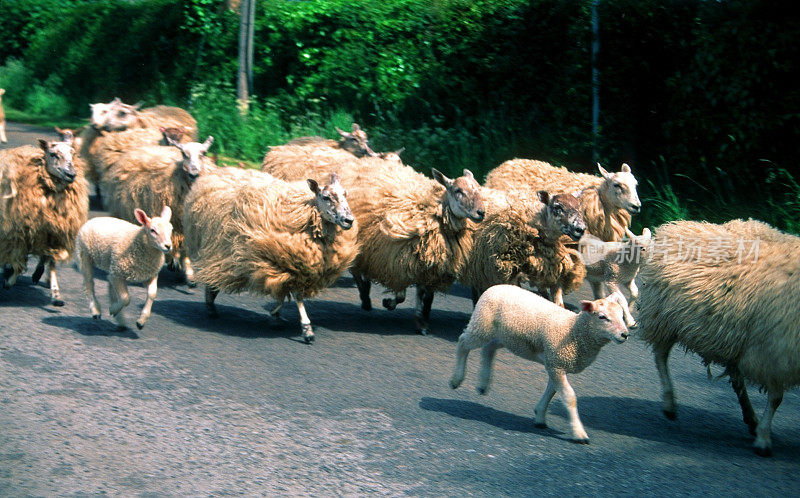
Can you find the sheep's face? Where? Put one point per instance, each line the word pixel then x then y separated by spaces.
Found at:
pixel 608 317
pixel 58 160
pixel 563 214
pixel 331 202
pixel 392 156
pixel 463 195
pixel 114 116
pixel 193 154
pixel 639 244
pixel 158 229
pixel 620 188
pixel 355 142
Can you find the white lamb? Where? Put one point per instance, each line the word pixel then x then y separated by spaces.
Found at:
pixel 129 253
pixel 615 264
pixel 538 330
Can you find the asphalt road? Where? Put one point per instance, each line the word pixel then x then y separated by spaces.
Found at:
pixel 238 405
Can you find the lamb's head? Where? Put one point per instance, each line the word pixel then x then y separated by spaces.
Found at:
pixel 58 159
pixel 114 116
pixel 392 156
pixel 562 214
pixel 620 189
pixel 356 142
pixel 608 320
pixel 463 195
pixel 331 201
pixel 193 153
pixel 157 229
pixel 639 244
pixel 171 134
pixel 65 134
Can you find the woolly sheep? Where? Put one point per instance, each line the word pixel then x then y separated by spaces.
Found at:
pixel 522 243
pixel 129 253
pixel 607 202
pixel 3 138
pixel 615 263
pixel 413 230
pixel 248 231
pixel 43 203
pixel 728 293
pixel 117 116
pixel 150 177
pixel 536 329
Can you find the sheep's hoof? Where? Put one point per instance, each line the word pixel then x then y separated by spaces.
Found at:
pixel 191 284
pixel 670 414
pixel 366 305
pixel 37 275
pixel 583 440
pixel 482 390
pixel 540 425
pixel 6 285
pixel 423 331
pixel 171 266
pixel 212 312
pixel 58 302
pixel 388 303
pixel 454 385
pixel 139 325
pixel 308 333
pixel 763 452
pixel 96 317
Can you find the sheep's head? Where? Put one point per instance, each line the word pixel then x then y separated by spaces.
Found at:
pixel 2 91
pixel 171 134
pixel 392 156
pixel 355 142
pixel 562 214
pixel 639 244
pixel 193 153
pixel 65 134
pixel 114 116
pixel 607 317
pixel 58 159
pixel 158 229
pixel 463 195
pixel 620 189
pixel 331 201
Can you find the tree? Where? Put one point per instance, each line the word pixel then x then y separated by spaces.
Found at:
pixel 245 72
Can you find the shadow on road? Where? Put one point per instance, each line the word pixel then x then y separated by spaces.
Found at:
pixel 25 293
pixel 89 327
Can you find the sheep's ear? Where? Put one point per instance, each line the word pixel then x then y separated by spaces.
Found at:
pixel 166 213
pixel 544 196
pixel 141 217
pixel 616 297
pixel 603 171
pixel 439 177
pixel 334 178
pixel 207 143
pixel 646 233
pixel 43 144
pixel 468 174
pixel 342 132
pixel 356 127
pixel 313 185
pixel 587 306
pixel 116 101
pixel 630 234
pixel 625 168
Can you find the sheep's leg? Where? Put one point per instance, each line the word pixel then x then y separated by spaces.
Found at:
pixel 11 274
pixel 364 285
pixel 152 287
pixel 37 273
pixel 123 299
pixel 739 387
pixel 763 443
pixel 560 382
pixel 211 295
pixel 391 303
pixel 558 295
pixel 466 343
pixel 668 406
pixel 476 294
pixel 3 137
pixel 55 291
pixel 487 366
pixel 626 312
pixel 634 290
pixel 423 309
pixel 188 271
pixel 305 322
pixel 540 412
pixel 597 289
pixel 86 265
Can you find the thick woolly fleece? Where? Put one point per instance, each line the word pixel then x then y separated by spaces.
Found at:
pixel 248 231
pixel 39 214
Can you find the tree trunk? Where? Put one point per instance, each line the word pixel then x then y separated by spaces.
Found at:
pixel 245 72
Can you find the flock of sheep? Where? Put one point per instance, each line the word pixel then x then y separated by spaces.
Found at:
pixel 320 207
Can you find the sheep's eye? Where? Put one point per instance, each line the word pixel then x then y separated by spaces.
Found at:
pixel 604 317
pixel 618 187
pixel 458 192
pixel 153 231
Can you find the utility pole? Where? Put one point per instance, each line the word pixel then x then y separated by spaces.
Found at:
pixel 244 81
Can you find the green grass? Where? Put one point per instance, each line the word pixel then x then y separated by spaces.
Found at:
pixel 40 120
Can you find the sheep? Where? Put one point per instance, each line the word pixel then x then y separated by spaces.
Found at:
pixel 536 329
pixel 149 177
pixel 522 243
pixel 607 202
pixel 248 231
pixel 117 116
pixel 728 293
pixel 413 230
pixel 129 253
pixel 43 203
pixel 614 264
pixel 3 137
pixel 356 142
